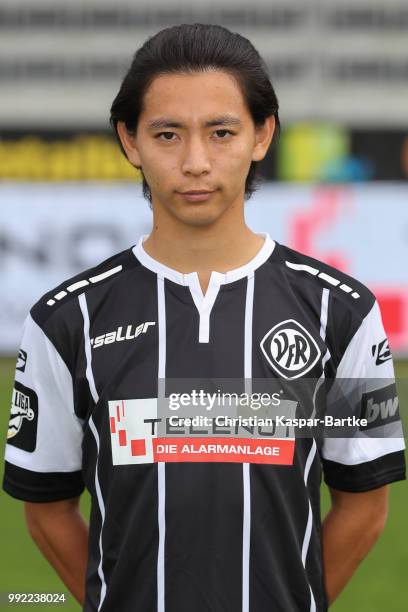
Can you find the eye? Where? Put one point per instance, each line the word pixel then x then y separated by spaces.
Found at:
pixel 165 136
pixel 222 134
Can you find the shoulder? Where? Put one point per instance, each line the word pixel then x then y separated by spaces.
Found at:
pixel 59 298
pixel 349 306
pixel 310 273
pixel 57 314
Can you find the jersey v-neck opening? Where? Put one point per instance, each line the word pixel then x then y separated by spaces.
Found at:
pixel 204 302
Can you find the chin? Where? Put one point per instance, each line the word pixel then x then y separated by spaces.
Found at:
pixel 198 220
pixel 198 215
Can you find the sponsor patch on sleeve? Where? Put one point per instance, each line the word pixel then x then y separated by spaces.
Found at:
pixel 21 360
pixel 381 352
pixel 380 407
pixel 22 429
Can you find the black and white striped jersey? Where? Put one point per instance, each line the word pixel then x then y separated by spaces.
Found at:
pixel 218 523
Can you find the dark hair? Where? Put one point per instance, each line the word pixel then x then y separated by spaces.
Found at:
pixel 194 48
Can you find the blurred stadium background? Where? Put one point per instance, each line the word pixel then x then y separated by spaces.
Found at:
pixel 336 183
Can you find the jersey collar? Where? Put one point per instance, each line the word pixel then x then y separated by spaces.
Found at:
pixel 220 278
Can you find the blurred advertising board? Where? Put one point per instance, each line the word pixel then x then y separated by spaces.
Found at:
pixel 307 152
pixel 51 231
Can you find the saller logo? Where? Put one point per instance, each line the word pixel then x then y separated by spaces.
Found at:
pixel 380 407
pixel 119 334
pixel 290 349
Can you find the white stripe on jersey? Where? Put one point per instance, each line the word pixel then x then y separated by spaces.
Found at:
pixel 324 309
pixel 102 510
pixel 324 313
pixel 161 466
pixel 246 473
pixel 88 348
pixel 89 375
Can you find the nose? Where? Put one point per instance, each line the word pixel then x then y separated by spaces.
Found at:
pixel 196 159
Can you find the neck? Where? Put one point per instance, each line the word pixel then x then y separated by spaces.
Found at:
pixel 223 245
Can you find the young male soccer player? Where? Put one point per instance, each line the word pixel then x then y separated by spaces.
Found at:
pixel 194 526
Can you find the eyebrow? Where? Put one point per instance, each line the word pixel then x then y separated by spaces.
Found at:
pixel 164 122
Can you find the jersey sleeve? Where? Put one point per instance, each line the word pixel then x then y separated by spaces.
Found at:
pixel 43 452
pixel 374 455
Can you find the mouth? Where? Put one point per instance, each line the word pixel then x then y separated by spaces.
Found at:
pixel 196 195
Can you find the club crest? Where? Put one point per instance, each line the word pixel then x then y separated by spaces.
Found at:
pixel 290 349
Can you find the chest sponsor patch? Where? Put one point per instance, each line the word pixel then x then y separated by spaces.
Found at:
pixel 290 349
pixel 22 428
pixel 135 438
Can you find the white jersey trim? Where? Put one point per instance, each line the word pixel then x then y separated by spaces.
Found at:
pixel 204 302
pixel 222 278
pixel 358 363
pixel 59 430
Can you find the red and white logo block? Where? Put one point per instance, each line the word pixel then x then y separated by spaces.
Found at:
pixel 133 427
pixel 131 436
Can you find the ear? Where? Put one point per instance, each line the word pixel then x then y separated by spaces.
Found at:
pixel 263 138
pixel 128 141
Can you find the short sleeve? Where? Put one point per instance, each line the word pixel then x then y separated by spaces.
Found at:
pixel 43 451
pixel 364 461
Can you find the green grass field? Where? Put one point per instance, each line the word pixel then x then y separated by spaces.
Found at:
pixel 379 584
